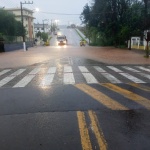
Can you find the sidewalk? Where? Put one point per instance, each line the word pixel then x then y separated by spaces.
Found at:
pixel 108 55
pixel 21 58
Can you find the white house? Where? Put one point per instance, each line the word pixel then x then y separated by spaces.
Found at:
pixel 41 27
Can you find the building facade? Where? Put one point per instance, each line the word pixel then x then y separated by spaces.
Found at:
pixel 41 28
pixel 28 19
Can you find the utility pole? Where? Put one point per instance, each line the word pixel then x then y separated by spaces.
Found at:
pixel 51 26
pixel 23 35
pixel 130 30
pixel 44 25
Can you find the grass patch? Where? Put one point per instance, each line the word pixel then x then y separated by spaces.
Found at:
pixel 80 35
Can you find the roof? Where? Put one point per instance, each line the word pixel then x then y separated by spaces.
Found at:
pixel 15 9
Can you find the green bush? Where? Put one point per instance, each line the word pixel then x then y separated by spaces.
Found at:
pixel 44 36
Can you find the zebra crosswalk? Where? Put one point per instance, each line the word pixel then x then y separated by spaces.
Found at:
pixel 68 74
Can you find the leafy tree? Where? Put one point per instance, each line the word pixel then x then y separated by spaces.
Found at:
pixel 116 20
pixel 85 15
pixel 39 34
pixel 19 30
pixel 44 36
pixel 9 26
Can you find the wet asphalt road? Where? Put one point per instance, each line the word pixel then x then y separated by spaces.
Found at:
pixel 35 118
pixel 73 39
pixel 81 115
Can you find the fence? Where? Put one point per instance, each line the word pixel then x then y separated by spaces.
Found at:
pixel 16 42
pixel 15 39
pixel 136 43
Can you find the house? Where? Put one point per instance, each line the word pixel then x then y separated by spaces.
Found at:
pixel 27 19
pixel 41 28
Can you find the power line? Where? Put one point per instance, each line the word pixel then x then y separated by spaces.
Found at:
pixel 59 13
pixel 52 13
pixel 39 16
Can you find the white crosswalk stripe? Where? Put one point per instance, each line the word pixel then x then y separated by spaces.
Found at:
pixel 89 78
pixel 51 70
pixel 132 78
pixel 6 80
pixel 35 71
pixel 114 69
pixel 69 78
pixel 11 77
pixel 145 75
pixel 143 68
pixel 25 81
pixel 130 69
pixel 18 72
pixel 4 71
pixel 67 69
pixel 48 79
pixel 99 69
pixel 67 75
pixel 83 69
pixel 111 78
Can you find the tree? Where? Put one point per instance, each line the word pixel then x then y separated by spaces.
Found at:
pixel 44 36
pixel 39 34
pixel 116 20
pixel 9 26
pixel 19 31
pixel 85 15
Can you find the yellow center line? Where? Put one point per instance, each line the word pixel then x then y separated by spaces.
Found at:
pixel 100 97
pixel 132 96
pixel 97 131
pixel 141 87
pixel 84 134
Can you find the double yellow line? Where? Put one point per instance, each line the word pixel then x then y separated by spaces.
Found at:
pixel 100 97
pixel 141 87
pixel 130 95
pixel 111 103
pixel 84 132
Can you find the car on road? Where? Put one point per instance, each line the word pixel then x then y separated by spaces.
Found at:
pixel 61 40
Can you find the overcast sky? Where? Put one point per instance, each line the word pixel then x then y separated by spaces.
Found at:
pixel 47 7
